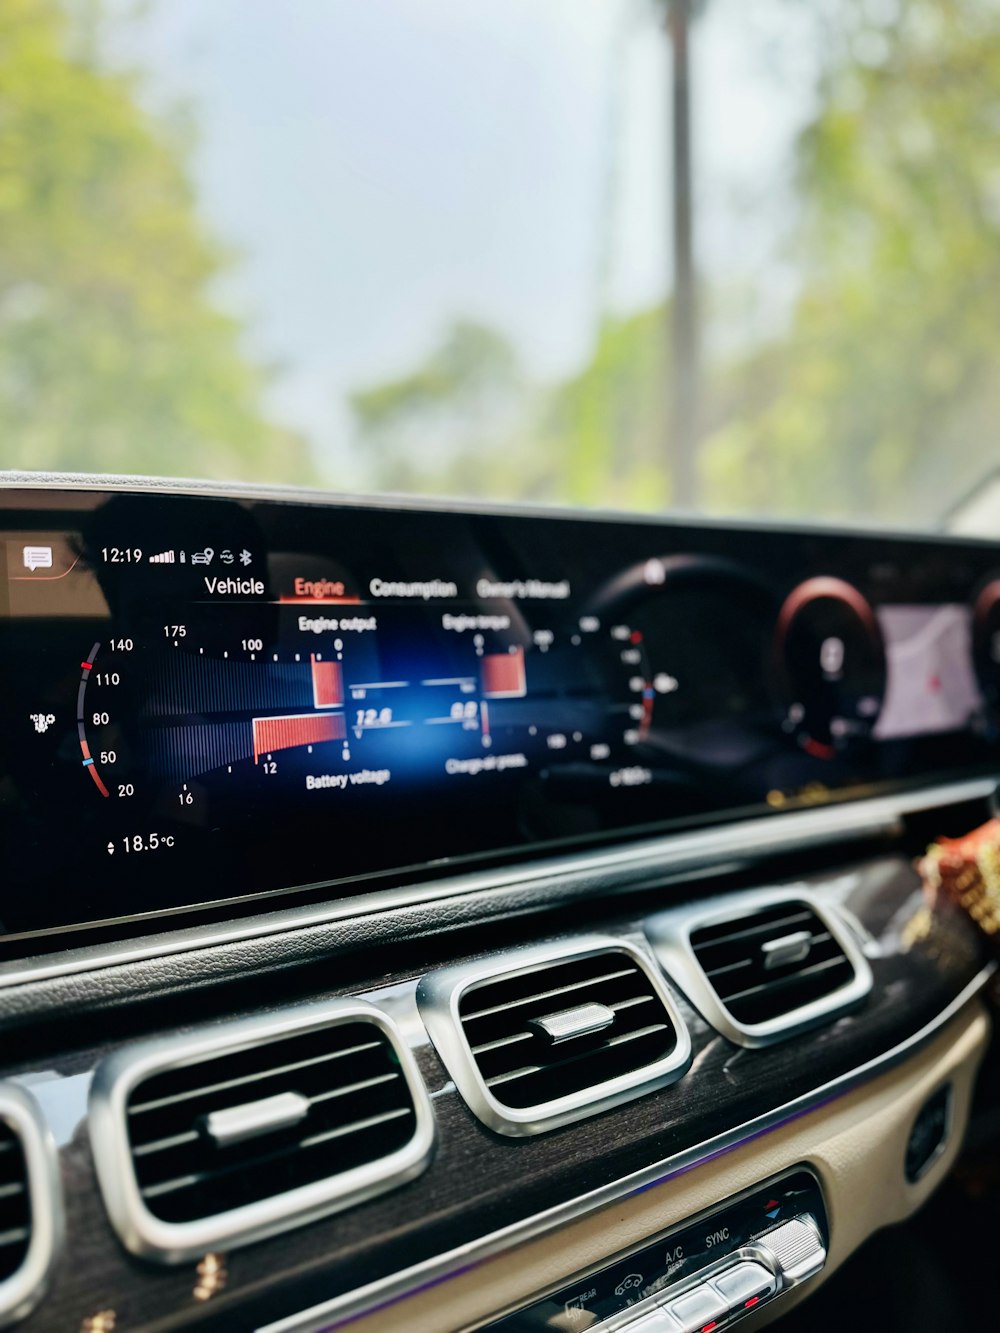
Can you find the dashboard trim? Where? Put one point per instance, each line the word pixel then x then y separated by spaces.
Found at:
pixel 439 996
pixel 13 481
pixel 344 1309
pixel 562 879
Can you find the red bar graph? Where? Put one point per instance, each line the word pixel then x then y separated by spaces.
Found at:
pixel 503 675
pixel 328 684
pixel 289 732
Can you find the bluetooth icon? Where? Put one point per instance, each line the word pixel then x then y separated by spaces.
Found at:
pixel 245 557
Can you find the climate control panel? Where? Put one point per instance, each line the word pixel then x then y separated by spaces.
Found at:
pixel 698 1277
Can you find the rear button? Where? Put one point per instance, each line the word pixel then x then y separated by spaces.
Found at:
pixel 744 1285
pixel 700 1311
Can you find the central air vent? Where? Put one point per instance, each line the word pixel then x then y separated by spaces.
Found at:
pixel 540 1037
pixel 763 969
pixel 249 1128
pixel 30 1204
pixel 15 1204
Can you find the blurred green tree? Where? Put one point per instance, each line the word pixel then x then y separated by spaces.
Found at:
pixel 466 421
pixel 451 425
pixel 879 395
pixel 882 397
pixel 606 427
pixel 113 354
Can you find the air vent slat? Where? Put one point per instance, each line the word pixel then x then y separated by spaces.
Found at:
pixel 773 963
pixel 351 1088
pixel 208 1089
pixel 523 1067
pixel 776 924
pixel 619 1005
pixel 588 983
pixel 216 1176
pixel 783 983
pixel 359 1108
pixel 553 1065
pixel 732 982
pixel 163 1145
pixel 485 1047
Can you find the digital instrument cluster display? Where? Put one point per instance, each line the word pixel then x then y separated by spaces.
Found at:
pixel 210 699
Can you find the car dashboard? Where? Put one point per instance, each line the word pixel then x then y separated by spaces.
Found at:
pixel 423 917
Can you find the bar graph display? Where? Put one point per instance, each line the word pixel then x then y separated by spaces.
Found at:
pixel 503 675
pixel 327 684
pixel 276 707
pixel 271 734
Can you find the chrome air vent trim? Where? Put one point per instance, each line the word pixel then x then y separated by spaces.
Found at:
pixel 21 1291
pixel 171 1241
pixel 440 994
pixel 670 934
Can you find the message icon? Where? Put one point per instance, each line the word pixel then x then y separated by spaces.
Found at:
pixel 37 557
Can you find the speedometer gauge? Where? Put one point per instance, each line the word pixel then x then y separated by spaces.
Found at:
pixel 831 655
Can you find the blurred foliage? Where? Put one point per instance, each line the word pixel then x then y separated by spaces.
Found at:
pixel 113 354
pixel 468 422
pixel 881 394
pixel 445 425
pixel 604 429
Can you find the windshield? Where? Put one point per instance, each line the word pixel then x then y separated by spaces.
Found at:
pixel 737 256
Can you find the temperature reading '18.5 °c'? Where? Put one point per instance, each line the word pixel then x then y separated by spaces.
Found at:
pixel 134 843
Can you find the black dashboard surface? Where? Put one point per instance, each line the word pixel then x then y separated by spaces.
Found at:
pixel 479 1183
pixel 207 699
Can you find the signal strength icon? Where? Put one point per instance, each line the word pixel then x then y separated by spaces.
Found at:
pixel 164 558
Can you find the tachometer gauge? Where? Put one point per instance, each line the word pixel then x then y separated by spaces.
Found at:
pixel 694 634
pixel 831 655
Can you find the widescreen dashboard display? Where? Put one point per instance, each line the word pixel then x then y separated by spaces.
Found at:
pixel 206 699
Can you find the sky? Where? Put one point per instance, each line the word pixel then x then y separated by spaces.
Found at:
pixel 380 169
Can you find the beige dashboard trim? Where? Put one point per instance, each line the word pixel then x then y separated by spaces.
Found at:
pixel 856 1147
pixel 394 1304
